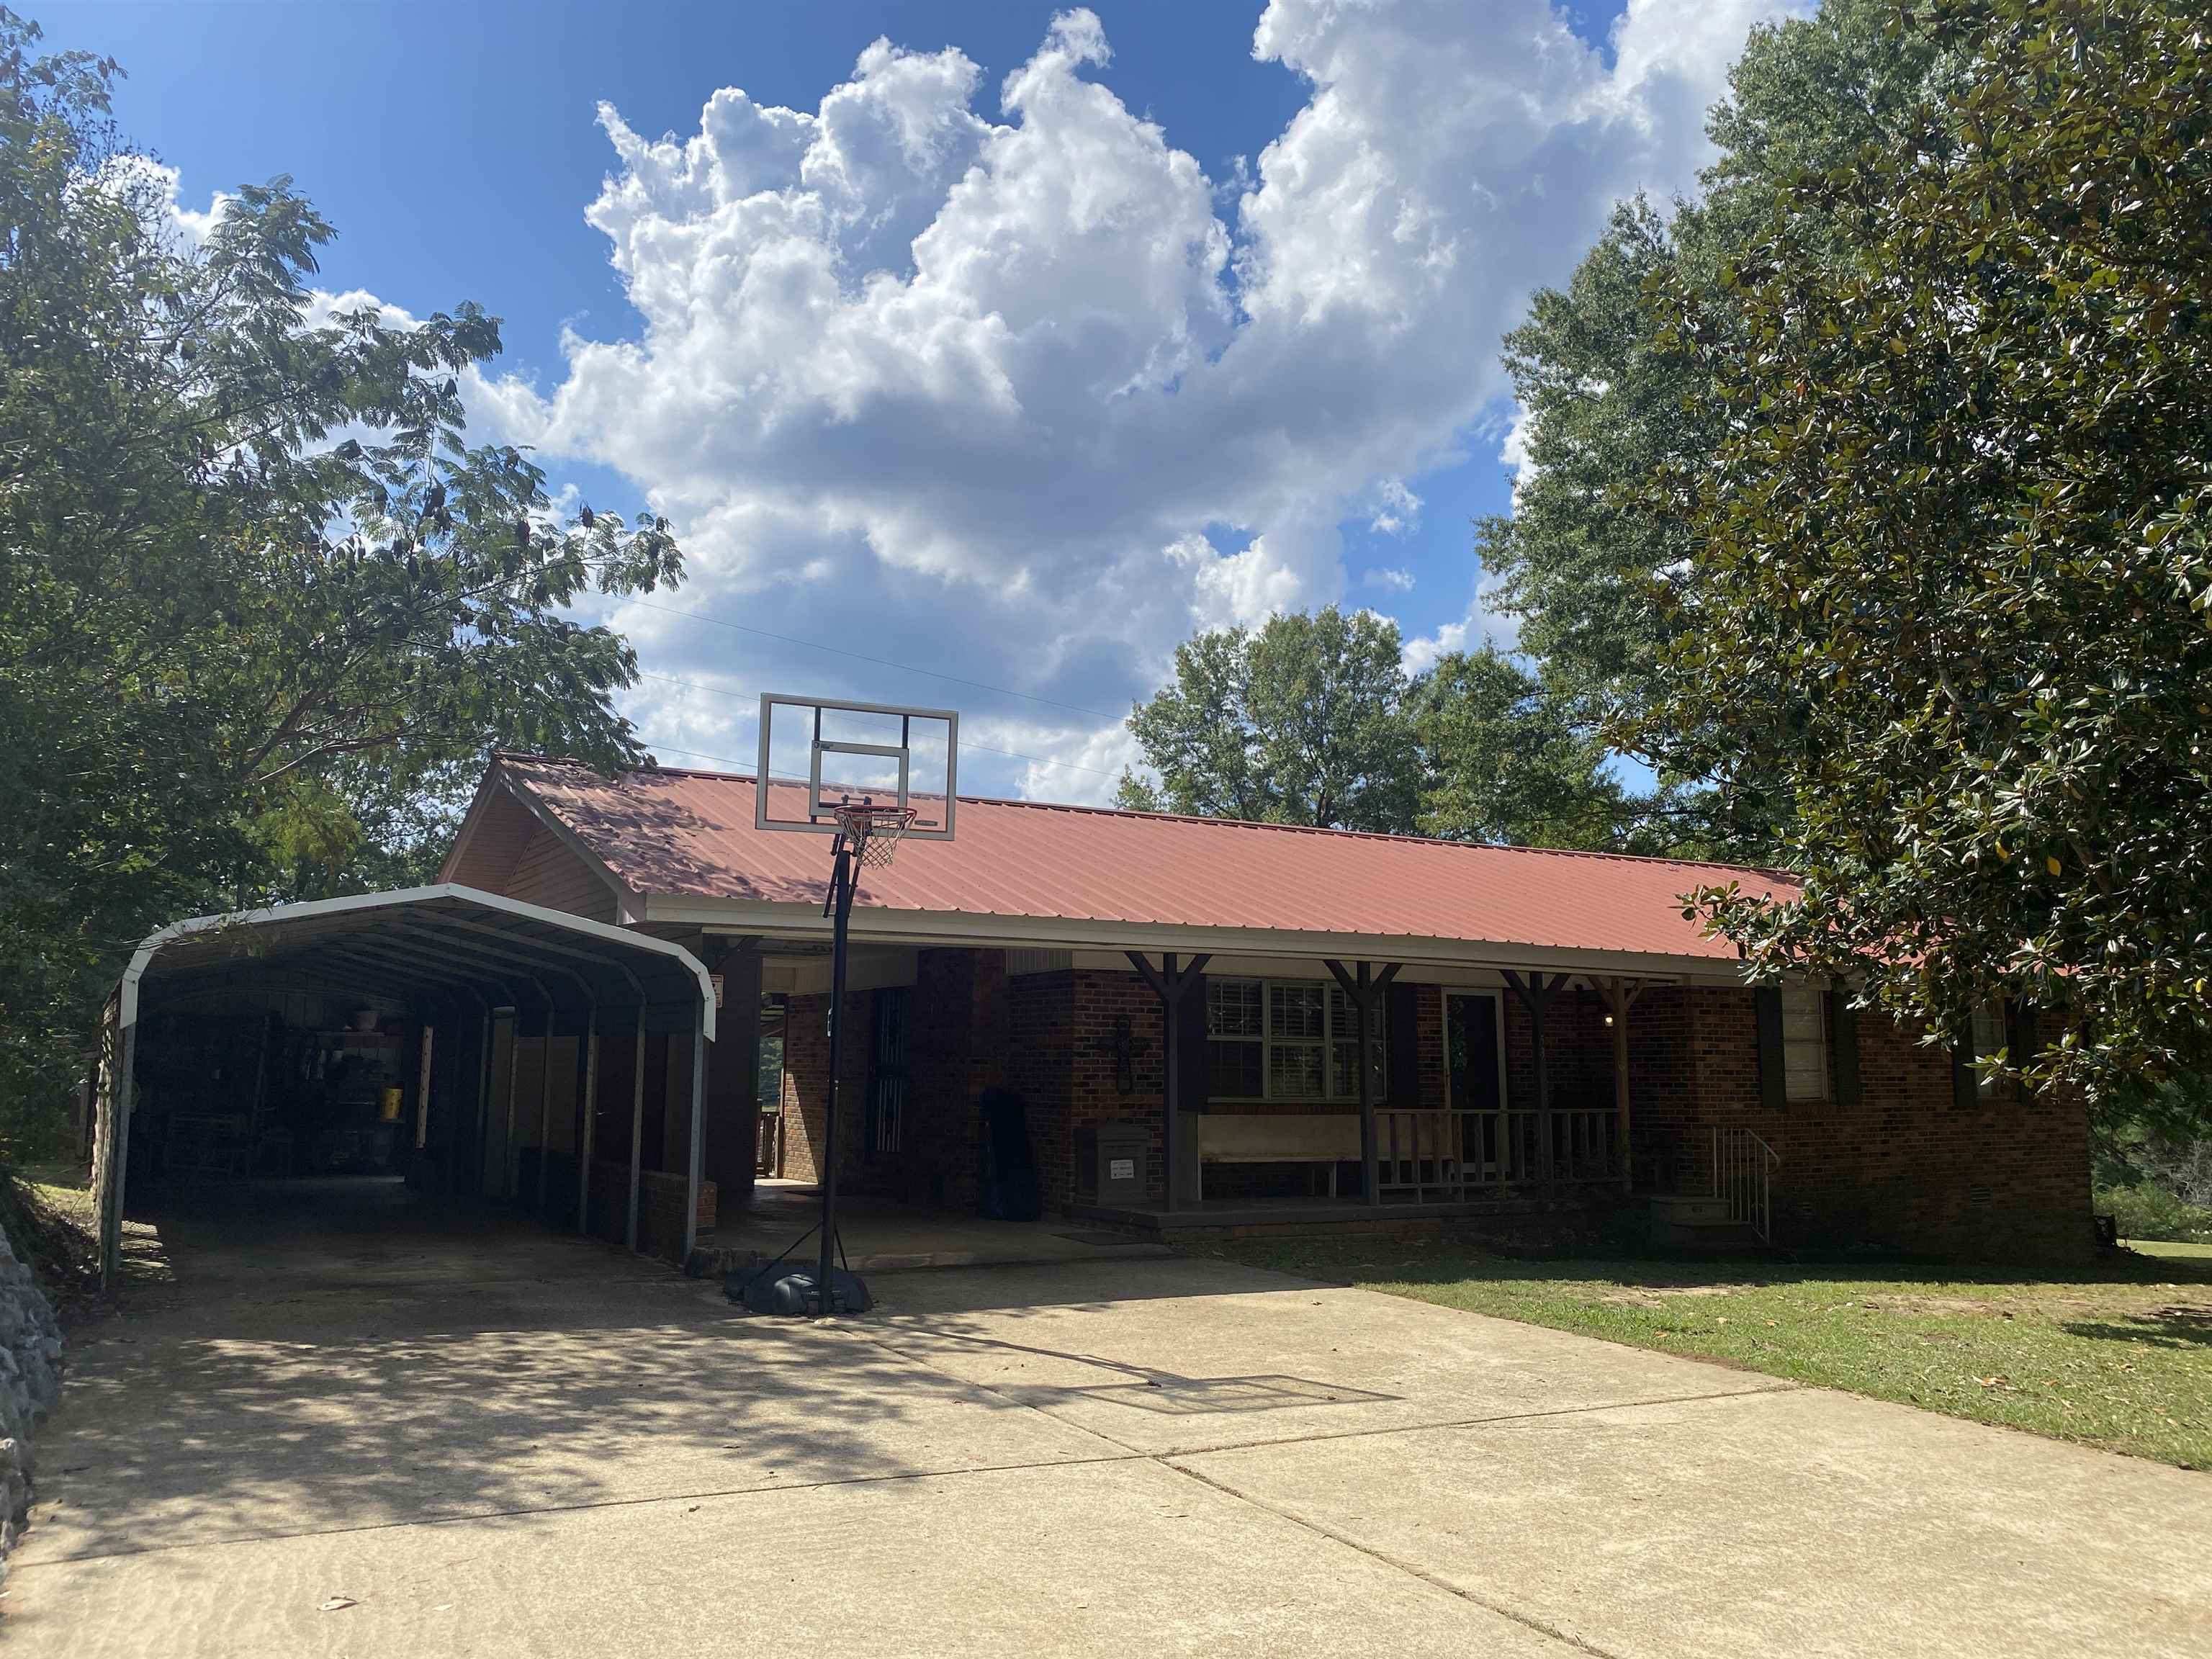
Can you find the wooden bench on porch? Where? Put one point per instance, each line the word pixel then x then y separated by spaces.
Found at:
pixel 1330 1139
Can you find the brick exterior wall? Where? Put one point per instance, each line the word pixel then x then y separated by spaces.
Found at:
pixel 1905 1168
pixel 1902 1170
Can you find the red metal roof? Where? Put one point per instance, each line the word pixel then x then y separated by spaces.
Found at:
pixel 692 833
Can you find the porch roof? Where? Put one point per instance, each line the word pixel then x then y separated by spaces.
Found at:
pixel 684 842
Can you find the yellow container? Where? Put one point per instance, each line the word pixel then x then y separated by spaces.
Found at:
pixel 391 1106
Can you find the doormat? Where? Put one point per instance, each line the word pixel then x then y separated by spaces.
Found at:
pixel 1097 1238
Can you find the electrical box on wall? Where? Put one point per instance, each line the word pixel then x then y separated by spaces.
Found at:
pixel 1109 1165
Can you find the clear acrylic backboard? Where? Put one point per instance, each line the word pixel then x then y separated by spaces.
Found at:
pixel 818 754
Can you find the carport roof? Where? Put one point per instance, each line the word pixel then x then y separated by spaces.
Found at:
pixel 432 941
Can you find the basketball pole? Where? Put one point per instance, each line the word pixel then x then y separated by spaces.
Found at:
pixel 840 902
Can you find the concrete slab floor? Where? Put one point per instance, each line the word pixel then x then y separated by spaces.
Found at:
pixel 468 1436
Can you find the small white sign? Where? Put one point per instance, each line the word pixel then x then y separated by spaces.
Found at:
pixel 1121 1168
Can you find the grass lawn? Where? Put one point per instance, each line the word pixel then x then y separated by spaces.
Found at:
pixel 2119 1358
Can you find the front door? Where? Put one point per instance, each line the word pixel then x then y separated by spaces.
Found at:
pixel 1471 1051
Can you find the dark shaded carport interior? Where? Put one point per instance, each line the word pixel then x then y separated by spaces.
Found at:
pixel 548 1036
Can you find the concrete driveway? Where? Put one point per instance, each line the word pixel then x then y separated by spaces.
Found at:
pixel 338 1435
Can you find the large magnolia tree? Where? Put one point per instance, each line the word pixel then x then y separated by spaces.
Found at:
pixel 263 609
pixel 1953 547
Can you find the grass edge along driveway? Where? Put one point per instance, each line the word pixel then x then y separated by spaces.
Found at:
pixel 2119 1356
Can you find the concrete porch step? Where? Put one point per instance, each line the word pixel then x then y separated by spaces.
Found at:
pixel 1689 1209
pixel 1698 1221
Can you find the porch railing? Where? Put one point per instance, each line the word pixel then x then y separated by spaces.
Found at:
pixel 1447 1154
pixel 1743 1174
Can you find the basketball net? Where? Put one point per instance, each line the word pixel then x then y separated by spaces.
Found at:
pixel 872 832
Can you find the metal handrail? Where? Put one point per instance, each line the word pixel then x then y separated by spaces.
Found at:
pixel 1743 1174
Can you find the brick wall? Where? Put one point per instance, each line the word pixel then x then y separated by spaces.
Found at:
pixel 660 1207
pixel 807 1083
pixel 1904 1168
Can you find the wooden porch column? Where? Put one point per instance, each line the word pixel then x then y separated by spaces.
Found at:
pixel 1535 994
pixel 1621 996
pixel 1171 985
pixel 1361 991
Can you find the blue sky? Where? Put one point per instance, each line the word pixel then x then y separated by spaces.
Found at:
pixel 1018 349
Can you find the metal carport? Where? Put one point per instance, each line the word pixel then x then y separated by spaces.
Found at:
pixel 448 945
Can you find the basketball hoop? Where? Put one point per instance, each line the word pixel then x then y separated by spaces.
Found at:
pixel 872 832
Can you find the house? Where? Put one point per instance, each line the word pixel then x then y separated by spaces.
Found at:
pixel 1178 1004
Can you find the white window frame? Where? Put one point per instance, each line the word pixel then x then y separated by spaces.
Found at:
pixel 1815 996
pixel 1336 1007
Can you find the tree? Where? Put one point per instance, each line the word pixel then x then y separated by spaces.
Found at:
pixel 259 601
pixel 1300 722
pixel 1588 567
pixel 1502 762
pixel 1953 549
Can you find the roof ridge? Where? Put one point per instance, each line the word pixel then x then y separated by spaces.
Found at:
pixel 1228 824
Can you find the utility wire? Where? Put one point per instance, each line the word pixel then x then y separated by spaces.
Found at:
pixel 880 662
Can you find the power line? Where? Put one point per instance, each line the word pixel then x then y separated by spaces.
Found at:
pixel 880 662
pixel 750 696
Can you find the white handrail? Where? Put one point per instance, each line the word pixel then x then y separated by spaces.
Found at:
pixel 1743 1174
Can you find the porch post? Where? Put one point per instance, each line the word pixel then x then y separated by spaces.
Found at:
pixel 1171 985
pixel 1361 992
pixel 1621 996
pixel 1535 993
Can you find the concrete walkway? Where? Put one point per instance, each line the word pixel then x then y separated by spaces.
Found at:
pixel 350 1432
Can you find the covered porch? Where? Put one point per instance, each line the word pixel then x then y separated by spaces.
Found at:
pixel 1165 1091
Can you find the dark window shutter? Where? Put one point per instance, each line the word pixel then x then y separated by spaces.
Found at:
pixel 1772 1091
pixel 1191 1048
pixel 1843 1047
pixel 1402 1085
pixel 2020 1034
pixel 1966 1091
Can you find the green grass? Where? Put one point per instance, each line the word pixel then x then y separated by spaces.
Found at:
pixel 2120 1356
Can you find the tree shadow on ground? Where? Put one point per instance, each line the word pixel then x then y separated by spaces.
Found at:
pixel 2179 1328
pixel 300 1378
pixel 1443 1261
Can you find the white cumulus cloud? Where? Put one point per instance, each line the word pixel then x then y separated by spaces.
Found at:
pixel 1019 394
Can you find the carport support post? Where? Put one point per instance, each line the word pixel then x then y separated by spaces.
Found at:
pixel 545 1109
pixel 698 1134
pixel 483 1100
pixel 508 1160
pixel 636 1121
pixel 119 1155
pixel 591 1095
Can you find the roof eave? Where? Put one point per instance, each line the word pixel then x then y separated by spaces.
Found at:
pixel 872 924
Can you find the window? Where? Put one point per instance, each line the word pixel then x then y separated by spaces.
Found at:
pixel 1990 1035
pixel 1805 1072
pixel 1234 1051
pixel 1284 1040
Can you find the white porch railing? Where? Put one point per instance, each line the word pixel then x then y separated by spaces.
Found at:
pixel 1447 1154
pixel 1743 1174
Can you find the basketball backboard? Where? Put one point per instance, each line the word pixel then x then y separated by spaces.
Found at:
pixel 817 753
